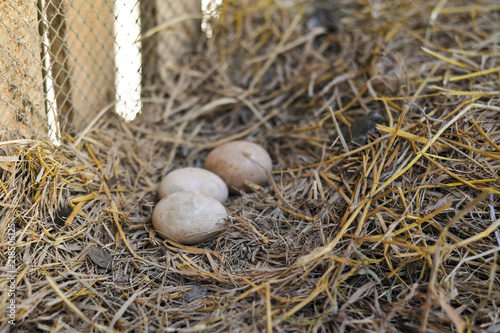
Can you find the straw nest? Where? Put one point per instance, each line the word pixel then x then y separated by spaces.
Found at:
pixel 392 233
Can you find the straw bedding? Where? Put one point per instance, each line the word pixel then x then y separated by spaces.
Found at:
pixel 394 232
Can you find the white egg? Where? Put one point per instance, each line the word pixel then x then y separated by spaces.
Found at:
pixel 189 217
pixel 194 180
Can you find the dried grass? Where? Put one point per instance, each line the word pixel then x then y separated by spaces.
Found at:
pixel 394 236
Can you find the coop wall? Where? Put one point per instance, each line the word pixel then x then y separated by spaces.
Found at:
pixel 67 48
pixel 90 58
pixel 22 109
pixel 181 29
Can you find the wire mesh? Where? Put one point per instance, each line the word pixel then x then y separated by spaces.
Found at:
pixel 60 59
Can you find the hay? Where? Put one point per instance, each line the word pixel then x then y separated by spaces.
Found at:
pixel 397 235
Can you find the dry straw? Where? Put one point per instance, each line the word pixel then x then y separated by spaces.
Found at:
pixel 394 235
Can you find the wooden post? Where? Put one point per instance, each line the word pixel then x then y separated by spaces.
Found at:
pixel 22 108
pixel 181 28
pixel 90 45
pixel 81 38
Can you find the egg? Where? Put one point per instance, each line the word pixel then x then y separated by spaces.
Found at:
pixel 238 161
pixel 189 217
pixel 193 180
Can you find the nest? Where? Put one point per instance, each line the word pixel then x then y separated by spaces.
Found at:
pixel 370 223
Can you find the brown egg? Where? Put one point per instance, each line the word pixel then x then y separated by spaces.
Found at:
pixel 194 180
pixel 189 217
pixel 238 161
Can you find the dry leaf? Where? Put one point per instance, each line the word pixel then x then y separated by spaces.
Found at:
pixel 100 257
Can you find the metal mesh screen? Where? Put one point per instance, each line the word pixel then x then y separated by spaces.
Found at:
pixel 62 62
